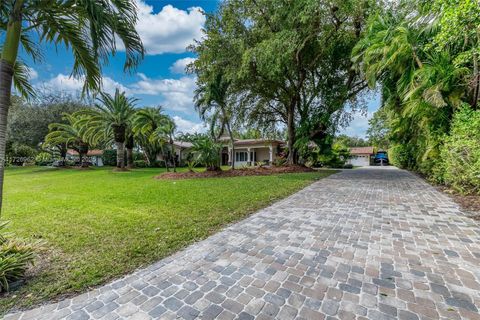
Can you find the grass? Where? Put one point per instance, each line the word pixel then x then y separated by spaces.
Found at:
pixel 99 225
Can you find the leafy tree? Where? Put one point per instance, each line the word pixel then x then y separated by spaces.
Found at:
pixel 72 134
pixel 28 121
pixel 90 28
pixel 288 62
pixel 378 130
pixel 111 119
pixel 348 141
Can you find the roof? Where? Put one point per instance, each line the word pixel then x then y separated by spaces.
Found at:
pixel 245 142
pixel 182 144
pixel 91 153
pixel 361 150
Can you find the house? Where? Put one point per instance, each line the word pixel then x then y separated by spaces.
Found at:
pixel 361 156
pixel 181 149
pixel 94 156
pixel 250 151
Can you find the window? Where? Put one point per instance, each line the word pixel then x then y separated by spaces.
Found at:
pixel 240 156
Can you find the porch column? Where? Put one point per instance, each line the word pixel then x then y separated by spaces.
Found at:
pixel 230 156
pixel 248 157
pixel 270 149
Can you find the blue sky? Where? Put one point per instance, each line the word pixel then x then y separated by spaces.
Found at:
pixel 166 29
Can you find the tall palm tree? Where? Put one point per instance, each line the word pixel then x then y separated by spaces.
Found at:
pixel 211 101
pixel 112 118
pixel 72 134
pixel 90 28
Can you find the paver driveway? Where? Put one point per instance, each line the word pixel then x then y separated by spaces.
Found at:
pixel 365 244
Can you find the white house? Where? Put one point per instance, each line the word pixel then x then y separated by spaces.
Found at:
pixel 360 156
pixel 181 149
pixel 250 151
pixel 93 156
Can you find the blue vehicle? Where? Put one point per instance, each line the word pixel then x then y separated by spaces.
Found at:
pixel 381 158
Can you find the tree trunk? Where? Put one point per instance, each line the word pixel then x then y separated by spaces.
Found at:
pixel 172 148
pixel 7 62
pixel 232 142
pixel 129 146
pixel 120 155
pixel 6 75
pixel 291 159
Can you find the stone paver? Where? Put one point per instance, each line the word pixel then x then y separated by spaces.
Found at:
pixel 376 243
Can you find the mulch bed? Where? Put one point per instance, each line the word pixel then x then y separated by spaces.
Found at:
pixel 256 171
pixel 470 204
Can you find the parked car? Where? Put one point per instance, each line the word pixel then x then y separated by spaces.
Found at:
pixel 381 158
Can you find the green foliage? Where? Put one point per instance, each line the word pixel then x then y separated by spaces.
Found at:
pixel 461 152
pixel 207 151
pixel 379 129
pixel 28 122
pixel 348 141
pixel 109 157
pixel 140 164
pixel 43 159
pixel 16 257
pixel 20 154
pixel 335 157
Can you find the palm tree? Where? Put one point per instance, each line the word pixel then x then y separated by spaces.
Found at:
pixel 165 132
pixel 211 103
pixel 146 122
pixel 71 134
pixel 90 28
pixel 111 119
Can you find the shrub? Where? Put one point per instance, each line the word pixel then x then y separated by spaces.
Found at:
pixel 43 159
pixel 348 166
pixel 140 163
pixel 109 157
pixel 461 152
pixel 22 154
pixel 15 258
pixel 207 152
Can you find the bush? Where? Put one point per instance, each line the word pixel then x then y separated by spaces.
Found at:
pixel 140 163
pixel 15 258
pixel 22 154
pixel 348 166
pixel 43 159
pixel 109 157
pixel 461 153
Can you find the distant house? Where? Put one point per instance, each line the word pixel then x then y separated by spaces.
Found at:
pixel 251 151
pixel 94 156
pixel 181 149
pixel 361 156
pixel 247 151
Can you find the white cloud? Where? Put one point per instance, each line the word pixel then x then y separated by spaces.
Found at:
pixel 66 83
pixel 177 94
pixel 170 30
pixel 358 126
pixel 32 73
pixel 180 65
pixel 187 126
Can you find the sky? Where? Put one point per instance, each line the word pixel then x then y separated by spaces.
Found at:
pixel 166 28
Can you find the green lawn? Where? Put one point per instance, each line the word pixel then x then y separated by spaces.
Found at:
pixel 98 224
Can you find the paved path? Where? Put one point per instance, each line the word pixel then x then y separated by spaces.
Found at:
pixel 362 244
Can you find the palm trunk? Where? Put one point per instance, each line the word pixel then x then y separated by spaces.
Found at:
pixel 6 76
pixel 120 155
pixel 129 158
pixel 7 62
pixel 173 155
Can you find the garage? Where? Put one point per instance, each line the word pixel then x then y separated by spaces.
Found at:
pixel 360 156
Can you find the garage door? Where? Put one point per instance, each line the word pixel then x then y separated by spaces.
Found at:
pixel 360 161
